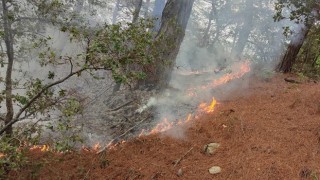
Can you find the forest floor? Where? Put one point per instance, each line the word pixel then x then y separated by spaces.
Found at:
pixel 269 131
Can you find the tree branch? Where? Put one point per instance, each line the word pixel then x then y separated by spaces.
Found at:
pixel 38 95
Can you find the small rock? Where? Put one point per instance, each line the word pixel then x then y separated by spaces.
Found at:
pixel 180 172
pixel 211 148
pixel 215 170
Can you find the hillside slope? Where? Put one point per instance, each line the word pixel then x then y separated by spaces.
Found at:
pixel 270 131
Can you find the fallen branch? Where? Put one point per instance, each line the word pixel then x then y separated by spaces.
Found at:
pixel 179 160
pixel 123 134
pixel 292 81
pixel 116 109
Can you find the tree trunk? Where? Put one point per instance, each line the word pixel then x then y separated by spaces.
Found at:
pixel 146 7
pixel 175 18
pixel 157 13
pixel 116 12
pixel 205 40
pixel 245 30
pixel 8 38
pixel 293 49
pixel 137 9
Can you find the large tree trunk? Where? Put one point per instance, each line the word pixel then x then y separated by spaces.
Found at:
pixel 175 18
pixel 8 37
pixel 294 47
pixel 157 13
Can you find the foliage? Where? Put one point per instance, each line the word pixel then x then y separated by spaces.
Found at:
pixel 122 49
pixel 64 135
pixel 301 11
pixel 308 61
pixel 125 49
pixel 11 156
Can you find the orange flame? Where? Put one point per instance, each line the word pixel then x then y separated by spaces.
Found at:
pixel 189 118
pixel 166 125
pixel 161 127
pixel 42 148
pixel 96 147
pixel 244 69
pixel 202 108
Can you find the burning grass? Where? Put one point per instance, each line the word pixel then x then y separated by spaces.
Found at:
pixel 261 137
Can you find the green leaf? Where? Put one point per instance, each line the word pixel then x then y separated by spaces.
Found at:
pixel 51 75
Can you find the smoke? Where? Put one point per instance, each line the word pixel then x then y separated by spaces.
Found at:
pixel 197 66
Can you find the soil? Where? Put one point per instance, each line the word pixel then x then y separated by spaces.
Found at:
pixel 269 131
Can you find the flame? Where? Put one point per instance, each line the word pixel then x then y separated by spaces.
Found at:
pixel 166 124
pixel 203 108
pixel 161 127
pixel 112 145
pixel 244 69
pixel 188 118
pixel 96 147
pixel 42 148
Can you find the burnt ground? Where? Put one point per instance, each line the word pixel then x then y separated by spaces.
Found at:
pixel 269 131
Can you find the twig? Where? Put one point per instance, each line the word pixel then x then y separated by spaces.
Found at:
pixel 123 134
pixel 126 104
pixel 179 160
pixel 85 177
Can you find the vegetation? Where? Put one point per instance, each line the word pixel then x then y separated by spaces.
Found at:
pixel 113 48
pixel 306 15
pixel 138 50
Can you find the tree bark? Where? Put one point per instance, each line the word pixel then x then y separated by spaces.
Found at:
pixel 137 9
pixel 175 18
pixel 294 47
pixel 8 38
pixel 157 13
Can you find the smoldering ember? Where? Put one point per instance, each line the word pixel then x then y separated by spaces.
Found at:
pixel 160 89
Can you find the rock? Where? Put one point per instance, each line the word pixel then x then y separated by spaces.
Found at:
pixel 211 148
pixel 215 170
pixel 180 172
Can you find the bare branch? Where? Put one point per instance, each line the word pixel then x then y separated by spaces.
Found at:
pixel 117 108
pixel 39 94
pixel 123 134
pixel 71 65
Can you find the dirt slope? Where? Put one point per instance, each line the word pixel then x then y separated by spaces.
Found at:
pixel 271 132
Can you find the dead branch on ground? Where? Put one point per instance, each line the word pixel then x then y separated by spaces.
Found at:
pixel 123 134
pixel 180 159
pixel 125 104
pixel 292 81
